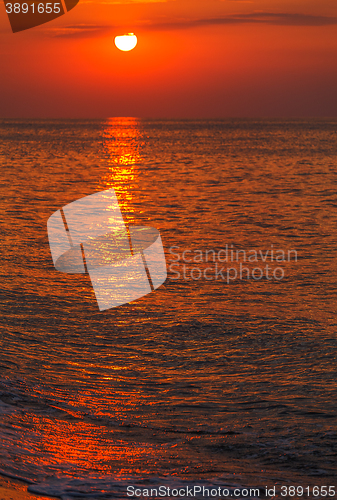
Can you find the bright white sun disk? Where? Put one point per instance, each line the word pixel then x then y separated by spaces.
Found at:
pixel 126 42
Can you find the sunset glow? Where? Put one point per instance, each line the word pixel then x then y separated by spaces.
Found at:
pixel 195 59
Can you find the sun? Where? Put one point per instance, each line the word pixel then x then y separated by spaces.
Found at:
pixel 126 42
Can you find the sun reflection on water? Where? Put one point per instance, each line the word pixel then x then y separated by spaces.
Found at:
pixel 123 142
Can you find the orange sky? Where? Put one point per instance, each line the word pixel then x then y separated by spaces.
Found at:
pixel 195 58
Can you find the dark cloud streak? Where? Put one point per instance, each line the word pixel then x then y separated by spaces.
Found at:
pixel 78 31
pixel 279 19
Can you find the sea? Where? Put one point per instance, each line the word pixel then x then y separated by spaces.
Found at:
pixel 224 376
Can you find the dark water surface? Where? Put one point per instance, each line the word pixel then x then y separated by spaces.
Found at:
pixel 228 383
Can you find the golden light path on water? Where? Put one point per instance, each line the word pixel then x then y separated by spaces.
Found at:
pixel 123 141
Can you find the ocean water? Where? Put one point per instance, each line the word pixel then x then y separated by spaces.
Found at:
pixel 209 379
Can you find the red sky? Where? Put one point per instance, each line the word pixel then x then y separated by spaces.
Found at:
pixel 194 59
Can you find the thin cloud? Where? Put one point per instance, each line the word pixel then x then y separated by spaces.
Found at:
pixel 280 19
pixel 78 31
